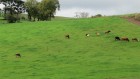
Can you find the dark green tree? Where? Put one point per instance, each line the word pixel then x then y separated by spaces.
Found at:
pixel 48 9
pixel 31 9
pixel 43 10
pixel 12 7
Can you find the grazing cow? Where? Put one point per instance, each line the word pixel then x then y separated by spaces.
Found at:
pixel 67 36
pixel 97 33
pixel 125 39
pixel 117 38
pixel 87 35
pixel 107 32
pixel 135 39
pixel 18 55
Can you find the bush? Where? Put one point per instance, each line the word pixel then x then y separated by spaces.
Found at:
pixel 131 16
pixel 96 16
pixel 23 18
pixel 11 18
pixel 137 17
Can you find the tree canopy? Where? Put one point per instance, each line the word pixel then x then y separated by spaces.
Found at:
pixel 43 10
pixel 12 9
pixel 13 6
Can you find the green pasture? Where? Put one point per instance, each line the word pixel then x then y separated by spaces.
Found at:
pixel 47 54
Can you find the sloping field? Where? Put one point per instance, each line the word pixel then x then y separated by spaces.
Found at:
pixel 47 54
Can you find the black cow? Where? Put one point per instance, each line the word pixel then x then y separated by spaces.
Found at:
pixel 18 55
pixel 67 36
pixel 135 39
pixel 107 32
pixel 117 38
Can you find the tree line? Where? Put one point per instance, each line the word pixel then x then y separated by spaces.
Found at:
pixel 41 11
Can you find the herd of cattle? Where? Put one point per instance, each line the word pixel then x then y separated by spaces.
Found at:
pixel 126 39
pixel 107 32
pixel 18 55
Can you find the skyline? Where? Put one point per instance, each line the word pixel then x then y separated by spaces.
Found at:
pixel 93 7
pixel 68 8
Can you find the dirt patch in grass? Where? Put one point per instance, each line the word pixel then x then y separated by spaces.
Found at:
pixel 133 21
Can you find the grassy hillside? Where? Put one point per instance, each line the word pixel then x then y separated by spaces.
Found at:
pixel 58 18
pixel 47 54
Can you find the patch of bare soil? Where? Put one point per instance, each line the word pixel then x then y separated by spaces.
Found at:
pixel 133 21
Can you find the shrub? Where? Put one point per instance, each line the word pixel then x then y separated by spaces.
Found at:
pixel 96 16
pixel 131 16
pixel 11 18
pixel 23 18
pixel 137 17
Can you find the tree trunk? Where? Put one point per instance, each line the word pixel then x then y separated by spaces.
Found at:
pixel 29 17
pixel 34 18
pixel 38 19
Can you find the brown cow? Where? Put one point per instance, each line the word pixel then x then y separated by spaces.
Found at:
pixel 107 32
pixel 18 55
pixel 67 36
pixel 125 39
pixel 135 39
pixel 97 33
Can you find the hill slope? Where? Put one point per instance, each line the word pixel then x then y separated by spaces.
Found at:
pixel 47 54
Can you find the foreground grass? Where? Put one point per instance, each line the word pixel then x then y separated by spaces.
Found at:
pixel 46 54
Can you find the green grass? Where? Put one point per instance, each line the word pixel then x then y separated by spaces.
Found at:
pixel 59 18
pixel 47 54
pixel 133 15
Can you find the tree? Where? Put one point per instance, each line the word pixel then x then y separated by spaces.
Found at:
pixel 46 9
pixel 96 16
pixel 31 9
pixel 12 7
pixel 1 13
pixel 43 10
pixel 81 14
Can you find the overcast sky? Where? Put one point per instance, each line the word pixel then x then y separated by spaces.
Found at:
pixel 104 7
